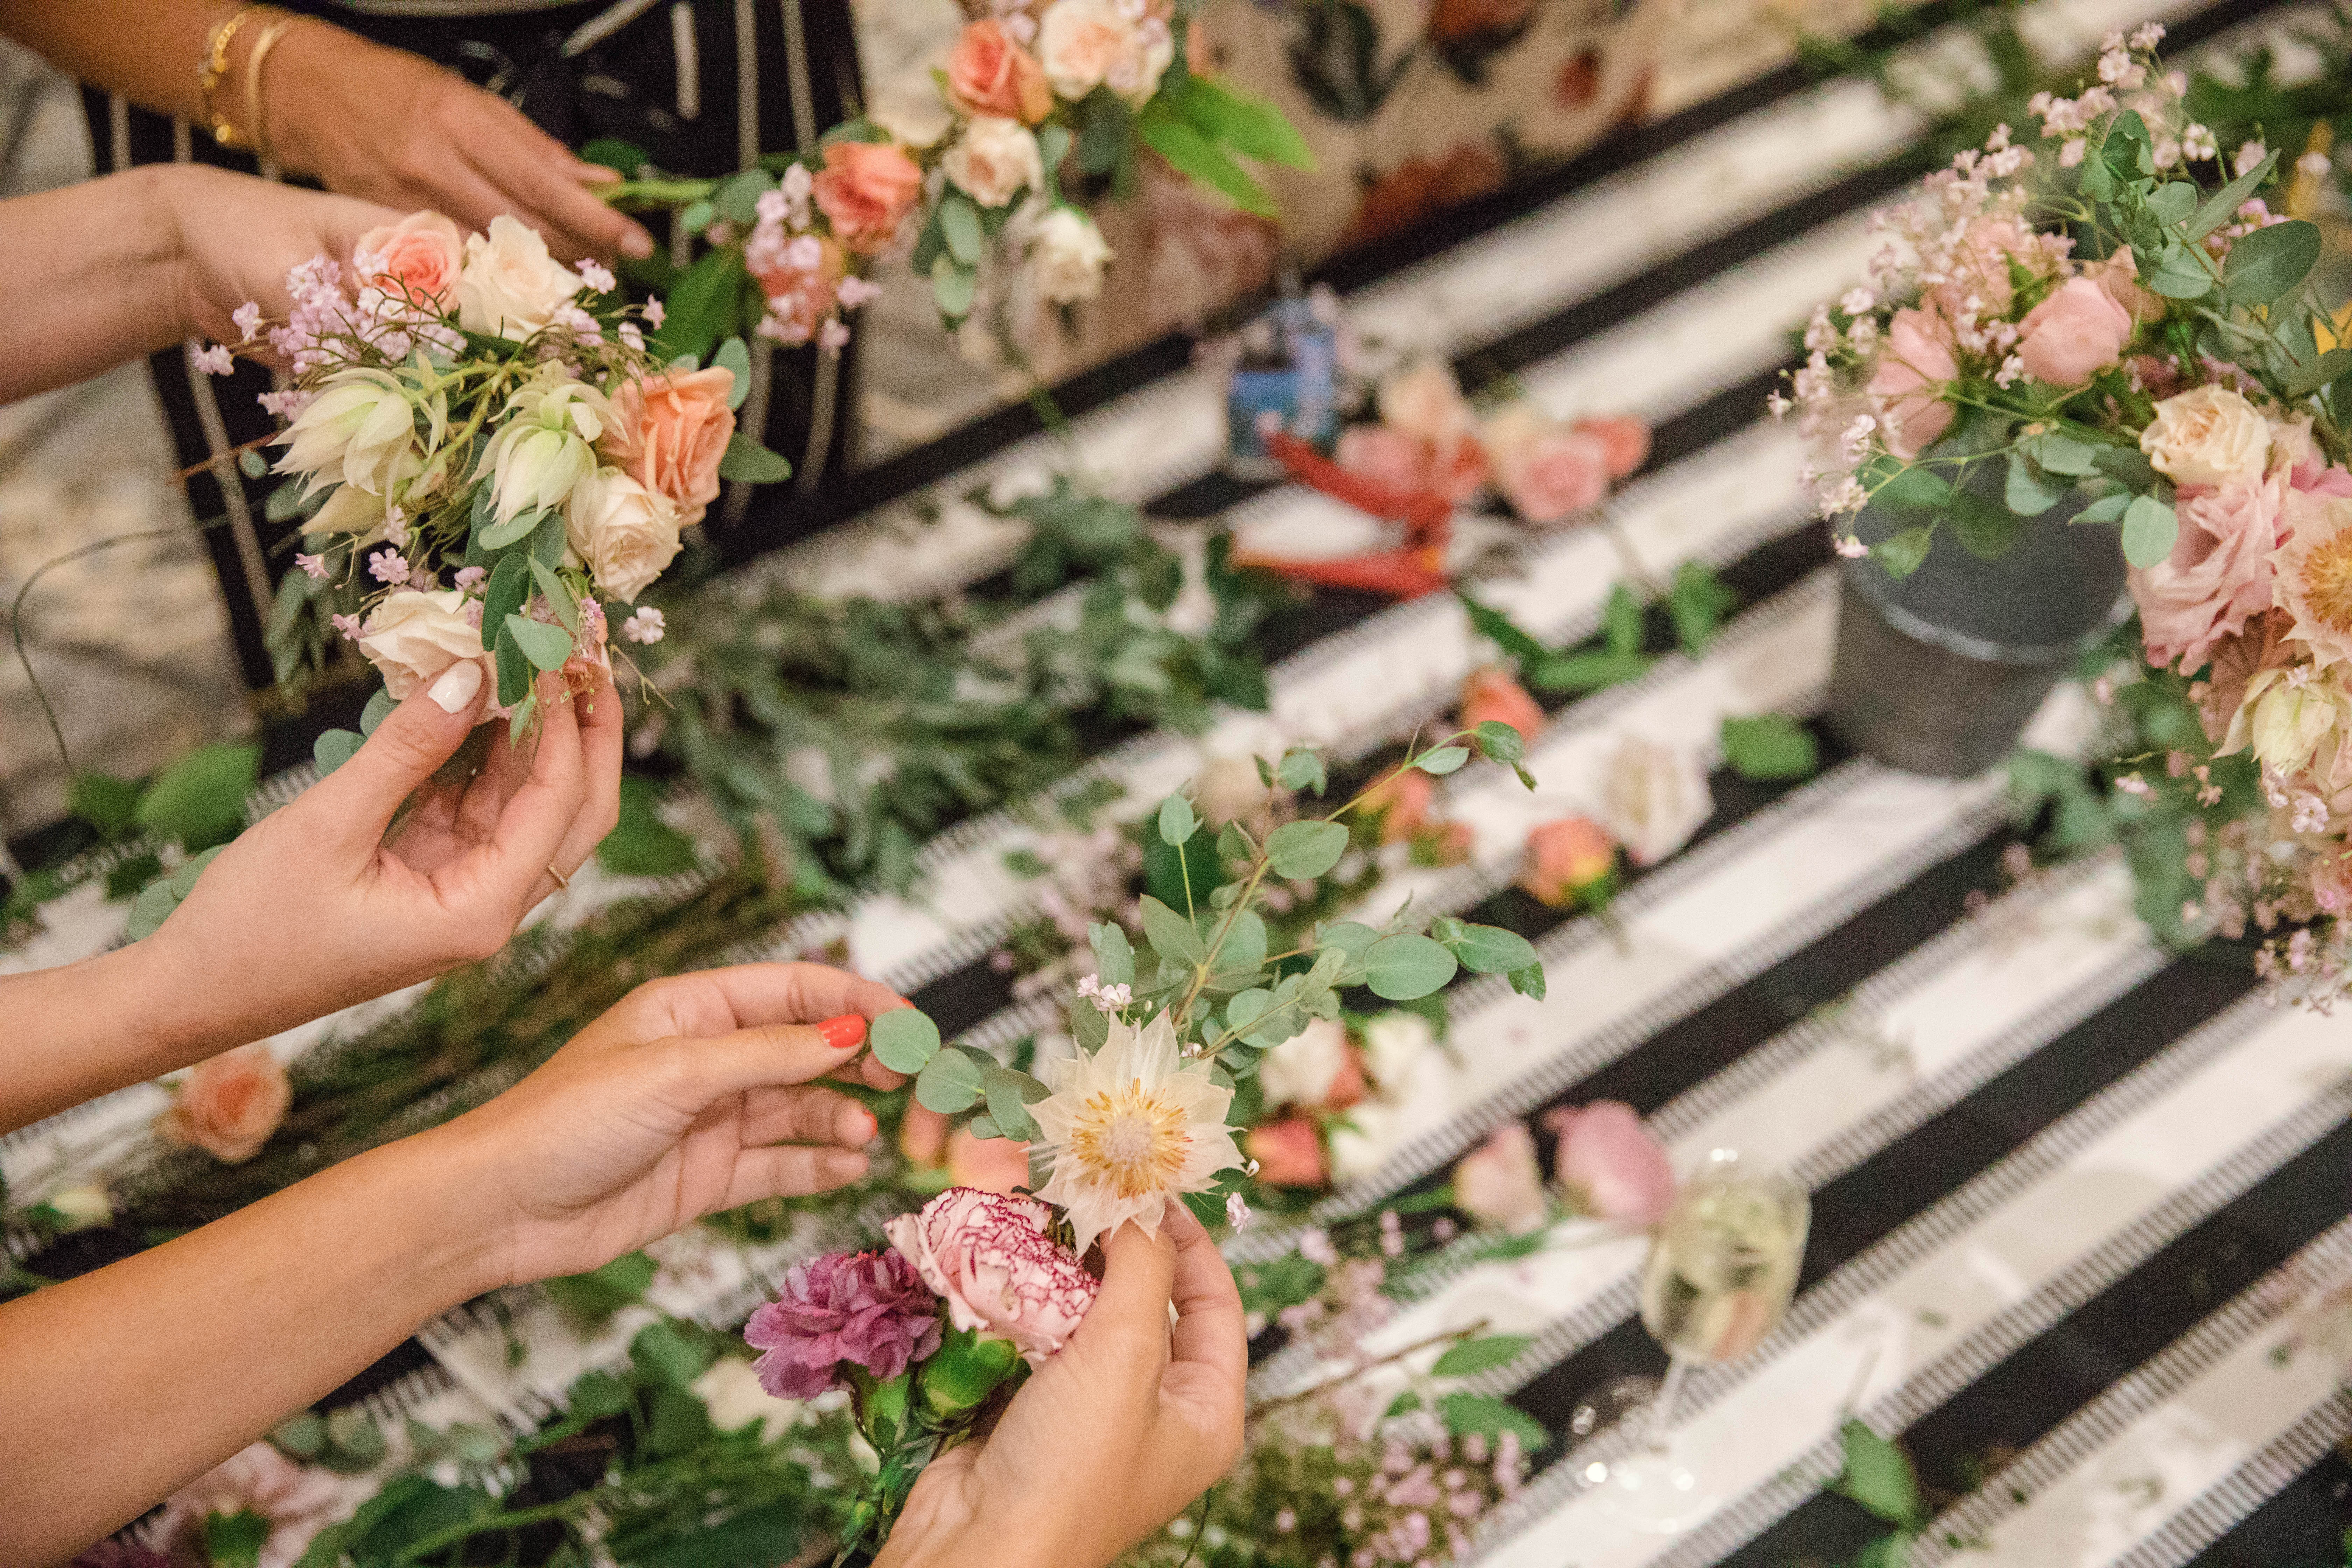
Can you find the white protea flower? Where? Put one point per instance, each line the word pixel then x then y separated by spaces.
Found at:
pixel 546 444
pixel 1130 1126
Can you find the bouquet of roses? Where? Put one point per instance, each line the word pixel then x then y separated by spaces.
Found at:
pixel 2180 377
pixel 487 450
pixel 1032 87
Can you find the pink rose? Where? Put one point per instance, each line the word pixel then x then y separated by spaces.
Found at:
pixel 1499 1183
pixel 2218 576
pixel 1545 469
pixel 417 258
pixel 1402 803
pixel 669 431
pixel 2077 331
pixel 801 298
pixel 1564 859
pixel 1625 441
pixel 1290 1152
pixel 1491 695
pixel 1915 360
pixel 1978 269
pixel 2119 276
pixel 229 1104
pixel 1384 454
pixel 990 1258
pixel 866 190
pixel 1608 1160
pixel 987 1164
pixel 988 73
pixel 299 1500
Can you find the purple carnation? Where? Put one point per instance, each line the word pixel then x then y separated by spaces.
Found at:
pixel 868 1308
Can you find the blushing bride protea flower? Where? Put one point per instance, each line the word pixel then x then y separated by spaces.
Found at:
pixel 1129 1127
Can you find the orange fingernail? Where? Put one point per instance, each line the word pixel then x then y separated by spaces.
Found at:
pixel 844 1032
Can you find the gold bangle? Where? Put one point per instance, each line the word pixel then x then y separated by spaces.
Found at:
pixel 255 124
pixel 213 68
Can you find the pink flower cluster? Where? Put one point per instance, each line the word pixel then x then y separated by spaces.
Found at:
pixel 801 267
pixel 1607 1165
pixel 868 1309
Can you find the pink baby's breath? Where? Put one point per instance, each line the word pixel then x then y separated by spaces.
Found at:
pixel 596 274
pixel 314 565
pixel 468 578
pixel 248 318
pixel 388 567
pixel 213 359
pixel 644 626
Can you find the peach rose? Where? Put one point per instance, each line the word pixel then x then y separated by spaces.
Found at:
pixel 1625 441
pixel 1566 858
pixel 988 73
pixel 1545 469
pixel 2077 331
pixel 1489 694
pixel 986 1164
pixel 1499 1183
pixel 668 433
pixel 1919 354
pixel 2218 576
pixel 417 258
pixel 1288 1152
pixel 228 1105
pixel 866 190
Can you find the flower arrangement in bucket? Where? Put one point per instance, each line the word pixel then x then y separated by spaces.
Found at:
pixel 2127 325
pixel 487 450
pixel 978 1288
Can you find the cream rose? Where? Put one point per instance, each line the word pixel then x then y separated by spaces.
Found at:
pixel 1079 42
pixel 1229 787
pixel 1425 402
pixel 731 1396
pixel 1654 797
pixel 1067 257
pixel 1302 1069
pixel 1394 1041
pixel 229 1104
pixel 510 287
pixel 996 161
pixel 2208 435
pixel 627 533
pixel 411 638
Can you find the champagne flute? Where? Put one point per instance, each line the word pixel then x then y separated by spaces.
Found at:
pixel 1721 1271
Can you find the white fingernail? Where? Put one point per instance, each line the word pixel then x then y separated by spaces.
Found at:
pixel 457 688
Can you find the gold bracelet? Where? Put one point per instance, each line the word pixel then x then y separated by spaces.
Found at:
pixel 213 68
pixel 255 122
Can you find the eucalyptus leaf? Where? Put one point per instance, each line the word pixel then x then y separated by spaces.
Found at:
pixel 1481 1354
pixel 379 708
pixel 1114 955
pixel 559 597
pixel 2149 529
pixel 546 647
pixel 949 1083
pixel 1350 937
pixel 1301 769
pixel 2308 379
pixel 1402 968
pixel 735 359
pixel 2222 205
pixel 2269 263
pixel 1499 742
pixel 333 748
pixel 2054 452
pixel 1090 1027
pixel 1177 821
pixel 748 461
pixel 1491 949
pixel 2107 509
pixel 1465 1414
pixel 2028 493
pixel 1010 1094
pixel 2181 275
pixel 499 535
pixel 1301 851
pixel 1172 936
pixel 959 227
pixel 1442 761
pixel 904 1039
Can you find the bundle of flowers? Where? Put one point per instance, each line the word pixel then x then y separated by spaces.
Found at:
pixel 1032 90
pixel 487 451
pixel 2126 336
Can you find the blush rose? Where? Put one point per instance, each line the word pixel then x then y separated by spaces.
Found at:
pixel 417 258
pixel 1290 1152
pixel 670 433
pixel 2077 331
pixel 866 190
pixel 228 1105
pixel 1545 469
pixel 988 73
pixel 1492 696
pixel 1916 356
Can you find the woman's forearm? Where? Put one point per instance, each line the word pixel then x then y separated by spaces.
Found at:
pixel 123 1386
pixel 147 50
pixel 96 276
pixel 84 1029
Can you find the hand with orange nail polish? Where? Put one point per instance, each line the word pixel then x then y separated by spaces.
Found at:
pixel 693 1094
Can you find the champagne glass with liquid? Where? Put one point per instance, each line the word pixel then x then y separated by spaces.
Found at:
pixel 1722 1268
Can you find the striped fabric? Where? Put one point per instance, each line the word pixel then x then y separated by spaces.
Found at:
pixel 2078 1201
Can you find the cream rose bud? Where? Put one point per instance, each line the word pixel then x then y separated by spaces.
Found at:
pixel 627 533
pixel 1080 42
pixel 1068 256
pixel 2208 435
pixel 360 429
pixel 411 638
pixel 996 161
pixel 510 287
pixel 1301 1071
pixel 1425 402
pixel 1654 797
pixel 1361 1144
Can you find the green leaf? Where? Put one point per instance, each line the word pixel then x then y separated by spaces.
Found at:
pixel 1400 968
pixel 1587 672
pixel 1481 1354
pixel 199 800
pixel 1172 936
pixel 379 708
pixel 1498 742
pixel 2107 509
pixel 904 1039
pixel 499 535
pixel 738 199
pixel 1696 605
pixel 1302 768
pixel 2172 202
pixel 2028 492
pixel 333 748
pixel 1251 126
pixel 1114 955
pixel 151 910
pixel 641 844
pixel 2267 264
pixel 705 305
pixel 597 1294
pixel 1246 1009
pixel 1902 554
pixel 2308 379
pixel 559 595
pixel 1351 937
pixel 735 359
pixel 301 1435
pixel 2054 453
pixel 662 1354
pixel 505 593
pixel 623 158
pixel 949 1083
pixel 952 288
pixel 2222 205
pixel 514 671
pixel 1528 982
pixel 1090 1027
pixel 235 1539
pixel 1770 747
pixel 1053 146
pixel 2149 529
pixel 1234 843
pixel 748 461
pixel 354 1436
pixel 1301 851
pixel 546 647
pixel 1892 1550
pixel 1621 622
pixel 1878 1475
pixel 1203 162
pixel 959 227
pixel 1010 1094
pixel 1500 629
pixel 1984 529
pixel 1442 761
pixel 1491 949
pixel 184 881
pixel 1177 822
pixel 2181 275
pixel 1466 1413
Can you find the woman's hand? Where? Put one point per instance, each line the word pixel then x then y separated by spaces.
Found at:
pixel 236 237
pixel 693 1094
pixel 394 127
pixel 1114 1436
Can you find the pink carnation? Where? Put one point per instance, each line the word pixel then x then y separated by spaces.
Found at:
pixel 990 1258
pixel 1609 1163
pixel 2218 576
pixel 868 1309
pixel 1917 358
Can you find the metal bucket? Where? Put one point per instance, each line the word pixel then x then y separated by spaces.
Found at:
pixel 1938 673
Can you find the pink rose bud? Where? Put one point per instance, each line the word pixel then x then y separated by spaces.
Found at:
pixel 1565 859
pixel 1290 1152
pixel 1499 1183
pixel 1914 362
pixel 1609 1162
pixel 2075 333
pixel 1491 695
pixel 229 1105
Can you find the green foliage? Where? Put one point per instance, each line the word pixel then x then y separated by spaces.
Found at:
pixel 596 1296
pixel 1481 1354
pixel 1466 1413
pixel 904 1040
pixel 1769 748
pixel 641 844
pixel 199 800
